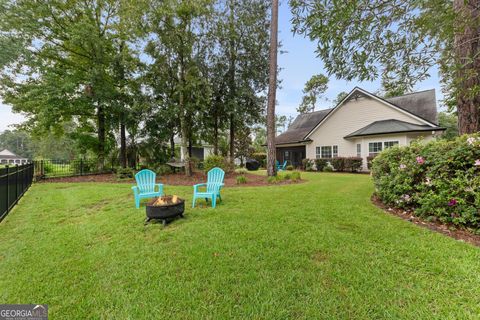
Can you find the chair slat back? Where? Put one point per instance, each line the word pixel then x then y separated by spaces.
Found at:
pixel 146 180
pixel 214 178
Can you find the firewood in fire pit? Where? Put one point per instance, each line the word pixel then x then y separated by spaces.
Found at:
pixel 167 200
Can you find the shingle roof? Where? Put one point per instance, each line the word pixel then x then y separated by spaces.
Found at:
pixel 7 154
pixel 301 126
pixel 391 126
pixel 422 104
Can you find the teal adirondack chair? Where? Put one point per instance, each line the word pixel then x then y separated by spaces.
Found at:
pixel 281 166
pixel 213 186
pixel 146 186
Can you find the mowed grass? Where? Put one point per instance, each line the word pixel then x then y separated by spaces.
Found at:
pixel 315 250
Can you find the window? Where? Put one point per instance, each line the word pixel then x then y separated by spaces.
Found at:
pixel 326 151
pixel 335 151
pixel 388 144
pixel 359 150
pixel 286 155
pixel 317 152
pixel 374 148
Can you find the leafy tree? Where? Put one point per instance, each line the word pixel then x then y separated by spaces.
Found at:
pixel 342 95
pixel 62 66
pixel 241 63
pixel 314 89
pixel 400 41
pixel 177 34
pixel 18 142
pixel 450 122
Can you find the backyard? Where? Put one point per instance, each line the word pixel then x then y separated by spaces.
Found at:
pixel 312 250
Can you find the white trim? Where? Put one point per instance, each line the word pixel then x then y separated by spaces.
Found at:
pixel 373 97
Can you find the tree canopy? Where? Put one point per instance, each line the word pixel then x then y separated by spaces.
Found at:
pixel 399 42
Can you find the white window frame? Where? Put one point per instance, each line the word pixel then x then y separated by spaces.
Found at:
pixel 375 152
pixel 322 154
pixel 334 152
pixel 359 149
pixel 318 152
pixel 393 142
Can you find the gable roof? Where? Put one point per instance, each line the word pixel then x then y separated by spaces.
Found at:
pixel 7 154
pixel 358 92
pixel 419 105
pixel 391 126
pixel 422 104
pixel 301 126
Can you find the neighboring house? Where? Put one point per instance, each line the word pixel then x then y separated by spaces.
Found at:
pixel 361 125
pixel 8 157
pixel 199 151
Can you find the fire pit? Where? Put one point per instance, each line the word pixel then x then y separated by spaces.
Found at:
pixel 165 208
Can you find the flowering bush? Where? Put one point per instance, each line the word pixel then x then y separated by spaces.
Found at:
pixel 440 179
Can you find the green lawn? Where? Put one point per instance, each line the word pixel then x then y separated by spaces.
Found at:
pixel 315 250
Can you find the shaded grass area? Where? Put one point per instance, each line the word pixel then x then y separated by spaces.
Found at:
pixel 316 250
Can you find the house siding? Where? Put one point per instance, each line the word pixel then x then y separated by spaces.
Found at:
pixel 354 115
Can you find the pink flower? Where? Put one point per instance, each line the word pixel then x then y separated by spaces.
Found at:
pixel 420 160
pixel 477 162
pixel 402 166
pixel 452 202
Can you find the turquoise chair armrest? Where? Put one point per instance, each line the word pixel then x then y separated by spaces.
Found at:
pixel 160 187
pixel 195 187
pixel 136 190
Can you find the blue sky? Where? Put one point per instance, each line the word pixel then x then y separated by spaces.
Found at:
pixel 298 64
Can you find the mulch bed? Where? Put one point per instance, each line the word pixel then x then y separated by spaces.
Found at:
pixel 174 179
pixel 446 229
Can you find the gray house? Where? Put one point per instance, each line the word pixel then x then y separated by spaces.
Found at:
pixel 8 157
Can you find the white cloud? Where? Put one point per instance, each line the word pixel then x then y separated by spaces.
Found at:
pixel 8 118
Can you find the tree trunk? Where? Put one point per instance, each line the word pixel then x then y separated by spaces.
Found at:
pixel 232 138
pixel 172 145
pixel 215 130
pixel 190 146
pixel 101 136
pixel 123 142
pixel 231 80
pixel 467 51
pixel 272 88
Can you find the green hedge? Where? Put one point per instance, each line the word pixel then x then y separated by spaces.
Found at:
pixel 438 180
pixel 213 161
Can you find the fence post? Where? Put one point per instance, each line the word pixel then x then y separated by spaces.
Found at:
pixel 8 188
pixel 16 181
pixel 81 166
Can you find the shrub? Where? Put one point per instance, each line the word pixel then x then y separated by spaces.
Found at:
pixel 241 179
pixel 307 164
pixel 439 179
pixel 163 169
pixel 241 171
pixel 328 168
pixel 275 179
pixel 321 163
pixel 289 167
pixel 338 163
pixel 261 157
pixel 124 173
pixel 369 162
pixel 213 161
pixel 295 176
pixel 353 164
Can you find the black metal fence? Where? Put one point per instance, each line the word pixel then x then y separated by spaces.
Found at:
pixel 69 168
pixel 14 181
